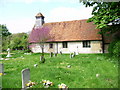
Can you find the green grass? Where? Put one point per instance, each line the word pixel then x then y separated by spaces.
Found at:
pixel 82 73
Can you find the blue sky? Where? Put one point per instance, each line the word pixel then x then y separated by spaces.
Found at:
pixel 19 15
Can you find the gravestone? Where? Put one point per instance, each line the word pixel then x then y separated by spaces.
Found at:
pixel 25 77
pixel 69 66
pixel 77 51
pixel 73 55
pixel 35 65
pixel 51 54
pixel 55 54
pixel 70 55
pixel 1 68
pixel 61 52
pixel 8 55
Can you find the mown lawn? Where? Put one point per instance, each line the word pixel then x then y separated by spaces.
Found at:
pixel 82 73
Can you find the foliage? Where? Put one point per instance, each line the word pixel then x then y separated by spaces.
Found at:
pixel 40 35
pixel 19 41
pixel 82 73
pixel 4 31
pixel 104 13
pixel 5 36
pixel 116 49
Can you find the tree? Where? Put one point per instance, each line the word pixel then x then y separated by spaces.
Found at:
pixel 4 31
pixel 4 36
pixel 40 35
pixel 19 41
pixel 105 13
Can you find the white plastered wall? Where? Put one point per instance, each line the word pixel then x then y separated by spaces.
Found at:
pixel 72 47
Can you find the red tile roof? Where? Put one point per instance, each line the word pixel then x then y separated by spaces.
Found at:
pixel 76 30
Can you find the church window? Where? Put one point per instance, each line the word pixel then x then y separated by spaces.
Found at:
pixel 65 45
pixel 86 44
pixel 50 45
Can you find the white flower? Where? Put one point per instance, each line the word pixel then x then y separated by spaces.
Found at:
pixel 62 85
pixel 97 75
pixel 47 83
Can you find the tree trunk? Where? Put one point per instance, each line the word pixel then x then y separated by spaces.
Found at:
pixel 42 51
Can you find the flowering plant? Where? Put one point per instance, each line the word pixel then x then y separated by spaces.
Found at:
pixel 47 83
pixel 1 74
pixel 30 84
pixel 62 85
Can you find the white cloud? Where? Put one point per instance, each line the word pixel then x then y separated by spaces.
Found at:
pixel 68 13
pixel 55 15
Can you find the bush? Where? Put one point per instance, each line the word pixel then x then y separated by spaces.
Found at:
pixel 111 47
pixel 114 48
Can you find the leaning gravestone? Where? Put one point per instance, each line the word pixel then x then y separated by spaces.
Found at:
pixel 61 52
pixel 73 55
pixel 8 55
pixel 1 68
pixel 25 77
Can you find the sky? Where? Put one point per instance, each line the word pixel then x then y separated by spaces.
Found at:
pixel 19 15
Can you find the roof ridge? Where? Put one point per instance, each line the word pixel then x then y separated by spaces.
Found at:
pixel 66 21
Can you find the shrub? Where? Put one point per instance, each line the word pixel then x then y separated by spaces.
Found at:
pixel 116 49
pixel 111 47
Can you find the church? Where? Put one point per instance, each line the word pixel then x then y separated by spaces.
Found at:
pixel 71 36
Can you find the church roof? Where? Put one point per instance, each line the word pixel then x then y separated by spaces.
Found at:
pixel 39 15
pixel 77 30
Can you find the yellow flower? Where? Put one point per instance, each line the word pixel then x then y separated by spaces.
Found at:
pixel 30 84
pixel 60 86
pixel 1 74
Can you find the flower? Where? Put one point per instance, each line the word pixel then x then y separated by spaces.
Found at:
pixel 1 74
pixel 97 75
pixel 30 84
pixel 62 85
pixel 47 83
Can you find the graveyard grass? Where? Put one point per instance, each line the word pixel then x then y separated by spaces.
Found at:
pixel 82 73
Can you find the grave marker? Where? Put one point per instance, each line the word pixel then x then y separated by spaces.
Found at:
pixel 25 77
pixel 61 52
pixel 1 68
pixel 51 54
pixel 55 54
pixel 8 55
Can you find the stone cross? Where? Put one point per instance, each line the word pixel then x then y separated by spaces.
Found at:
pixel 8 55
pixel 1 68
pixel 25 77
